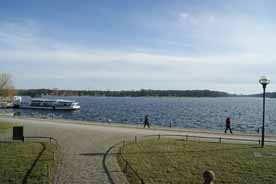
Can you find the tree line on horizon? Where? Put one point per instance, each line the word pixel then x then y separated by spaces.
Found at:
pixel 131 93
pixel 7 91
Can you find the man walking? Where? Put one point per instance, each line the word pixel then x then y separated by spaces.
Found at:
pixel 228 125
pixel 146 121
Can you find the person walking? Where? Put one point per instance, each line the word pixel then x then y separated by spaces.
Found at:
pixel 146 121
pixel 228 125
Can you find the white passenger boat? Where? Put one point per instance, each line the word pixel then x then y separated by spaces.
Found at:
pixel 41 103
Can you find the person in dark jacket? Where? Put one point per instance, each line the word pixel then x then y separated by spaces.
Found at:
pixel 228 125
pixel 146 121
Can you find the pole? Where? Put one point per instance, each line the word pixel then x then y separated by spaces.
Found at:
pixel 263 129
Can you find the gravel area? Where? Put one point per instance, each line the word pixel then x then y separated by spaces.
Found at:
pixel 83 146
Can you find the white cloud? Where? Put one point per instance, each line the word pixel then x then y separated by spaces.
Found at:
pixel 184 15
pixel 236 34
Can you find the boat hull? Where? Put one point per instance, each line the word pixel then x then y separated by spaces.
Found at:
pixel 45 104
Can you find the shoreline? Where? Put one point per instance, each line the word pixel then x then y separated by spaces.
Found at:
pixel 140 126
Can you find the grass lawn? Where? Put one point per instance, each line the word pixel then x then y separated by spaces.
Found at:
pixel 25 162
pixel 180 161
pixel 5 127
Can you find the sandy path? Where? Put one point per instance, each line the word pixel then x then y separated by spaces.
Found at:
pixel 83 146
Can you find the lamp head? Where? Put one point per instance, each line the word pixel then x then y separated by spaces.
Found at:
pixel 264 80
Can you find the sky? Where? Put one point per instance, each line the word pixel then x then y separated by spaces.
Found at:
pixel 131 45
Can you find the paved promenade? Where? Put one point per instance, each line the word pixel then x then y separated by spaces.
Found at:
pixel 83 145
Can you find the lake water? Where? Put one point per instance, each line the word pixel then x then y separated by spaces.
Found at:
pixel 210 113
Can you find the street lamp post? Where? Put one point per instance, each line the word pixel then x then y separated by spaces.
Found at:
pixel 264 81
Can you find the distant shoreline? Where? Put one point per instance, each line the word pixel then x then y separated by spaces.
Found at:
pixel 123 93
pixel 135 126
pixel 134 93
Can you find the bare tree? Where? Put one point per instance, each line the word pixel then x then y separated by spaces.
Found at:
pixel 6 86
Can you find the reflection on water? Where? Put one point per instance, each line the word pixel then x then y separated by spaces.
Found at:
pixel 246 113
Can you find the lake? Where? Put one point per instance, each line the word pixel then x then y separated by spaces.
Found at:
pixel 210 113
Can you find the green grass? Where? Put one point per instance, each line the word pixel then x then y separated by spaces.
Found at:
pixel 5 127
pixel 179 161
pixel 17 159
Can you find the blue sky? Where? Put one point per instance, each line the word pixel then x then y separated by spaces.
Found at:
pixel 195 44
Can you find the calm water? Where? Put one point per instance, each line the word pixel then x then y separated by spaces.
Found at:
pixel 246 113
